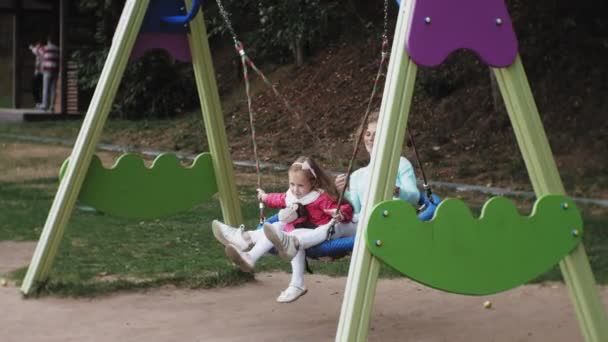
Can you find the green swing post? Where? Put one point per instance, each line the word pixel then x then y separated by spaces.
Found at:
pixel 545 179
pixel 360 288
pixel 86 142
pixel 213 119
pixel 394 112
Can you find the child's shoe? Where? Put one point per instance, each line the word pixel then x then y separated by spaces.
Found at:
pixel 240 258
pixel 291 293
pixel 286 245
pixel 228 235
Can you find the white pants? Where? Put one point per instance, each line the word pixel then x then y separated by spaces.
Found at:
pixel 312 237
pixel 307 238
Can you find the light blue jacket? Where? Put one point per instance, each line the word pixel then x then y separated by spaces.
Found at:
pixel 406 181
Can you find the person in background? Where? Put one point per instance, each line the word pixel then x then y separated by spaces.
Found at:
pixel 37 78
pixel 49 55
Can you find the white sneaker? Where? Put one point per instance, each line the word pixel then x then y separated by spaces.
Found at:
pixel 240 258
pixel 228 235
pixel 286 245
pixel 291 293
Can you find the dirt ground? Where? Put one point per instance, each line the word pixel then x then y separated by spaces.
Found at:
pixel 404 311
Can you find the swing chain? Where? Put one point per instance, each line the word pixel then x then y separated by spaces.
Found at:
pixel 384 54
pixel 332 228
pixel 227 21
pixel 385 34
pixel 245 61
pixel 425 182
pixel 262 216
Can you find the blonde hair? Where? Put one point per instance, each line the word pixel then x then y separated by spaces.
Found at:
pixel 315 175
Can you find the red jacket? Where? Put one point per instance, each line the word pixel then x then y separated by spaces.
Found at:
pixel 316 213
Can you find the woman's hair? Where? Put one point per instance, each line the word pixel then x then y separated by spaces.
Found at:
pixel 372 118
pixel 317 177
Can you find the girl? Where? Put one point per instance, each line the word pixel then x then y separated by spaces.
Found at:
pixel 289 246
pixel 309 187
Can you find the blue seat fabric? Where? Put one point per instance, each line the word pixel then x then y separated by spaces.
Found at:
pixel 342 246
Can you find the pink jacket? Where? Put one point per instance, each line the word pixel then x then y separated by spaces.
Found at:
pixel 316 213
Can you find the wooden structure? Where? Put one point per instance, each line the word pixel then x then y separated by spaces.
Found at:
pixel 20 12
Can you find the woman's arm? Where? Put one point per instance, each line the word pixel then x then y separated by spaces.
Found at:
pixel 406 181
pixel 353 197
pixel 355 200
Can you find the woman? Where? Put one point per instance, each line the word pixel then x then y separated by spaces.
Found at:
pixel 405 184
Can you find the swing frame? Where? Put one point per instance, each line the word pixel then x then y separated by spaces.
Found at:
pixel 127 30
pixel 532 140
pixel 394 111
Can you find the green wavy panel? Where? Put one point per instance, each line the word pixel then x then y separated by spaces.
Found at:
pixel 458 253
pixel 132 190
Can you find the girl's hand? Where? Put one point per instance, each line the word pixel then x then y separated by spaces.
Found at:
pixel 337 215
pixel 261 195
pixel 340 182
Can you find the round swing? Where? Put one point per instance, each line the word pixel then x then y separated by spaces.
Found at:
pixel 332 248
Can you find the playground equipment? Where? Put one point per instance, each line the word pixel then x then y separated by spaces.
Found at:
pixel 212 173
pixel 453 252
pixel 131 190
pixel 445 252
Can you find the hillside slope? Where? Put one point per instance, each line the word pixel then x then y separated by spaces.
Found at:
pixel 459 133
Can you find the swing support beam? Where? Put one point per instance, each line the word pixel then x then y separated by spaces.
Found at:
pixel 390 132
pixel 364 268
pixel 213 119
pixel 535 149
pixel 126 33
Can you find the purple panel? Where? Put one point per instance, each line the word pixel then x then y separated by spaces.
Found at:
pixel 439 27
pixel 176 44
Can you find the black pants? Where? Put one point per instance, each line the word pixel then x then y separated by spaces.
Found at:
pixel 37 88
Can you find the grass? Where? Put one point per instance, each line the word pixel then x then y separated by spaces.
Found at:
pixel 5 102
pixel 101 254
pixel 184 134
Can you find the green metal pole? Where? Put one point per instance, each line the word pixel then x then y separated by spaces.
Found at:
pixel 363 272
pixel 545 179
pixel 86 142
pixel 214 120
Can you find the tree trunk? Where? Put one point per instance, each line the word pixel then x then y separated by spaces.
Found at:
pixel 298 51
